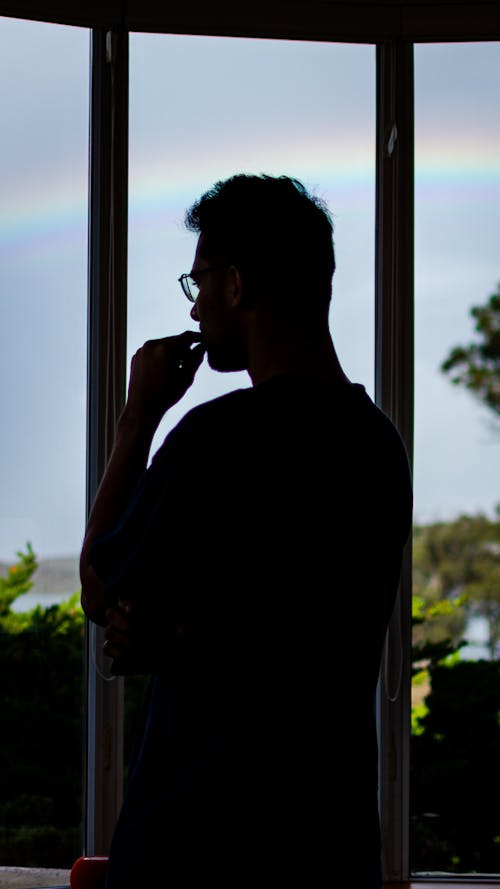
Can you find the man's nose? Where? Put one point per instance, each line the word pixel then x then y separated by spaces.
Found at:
pixel 194 312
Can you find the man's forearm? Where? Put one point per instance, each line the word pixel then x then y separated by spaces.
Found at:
pixel 127 463
pixel 161 372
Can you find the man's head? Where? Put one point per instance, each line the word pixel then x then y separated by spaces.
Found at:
pixel 271 242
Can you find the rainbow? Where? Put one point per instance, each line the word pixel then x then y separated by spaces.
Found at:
pixel 42 213
pixel 38 214
pixel 464 162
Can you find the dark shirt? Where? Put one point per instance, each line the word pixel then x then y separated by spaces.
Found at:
pixel 270 528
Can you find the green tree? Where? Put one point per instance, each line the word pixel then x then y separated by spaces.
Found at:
pixel 477 365
pixel 41 681
pixel 41 695
pixel 17 581
pixel 455 771
pixel 456 575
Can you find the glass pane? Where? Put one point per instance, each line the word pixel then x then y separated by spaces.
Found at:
pixel 250 106
pixel 43 254
pixel 456 689
pixel 202 109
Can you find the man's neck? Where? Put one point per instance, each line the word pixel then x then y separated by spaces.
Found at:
pixel 274 352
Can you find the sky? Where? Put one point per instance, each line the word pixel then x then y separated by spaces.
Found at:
pixel 202 109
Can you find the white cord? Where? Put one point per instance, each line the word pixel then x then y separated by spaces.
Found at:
pixel 93 647
pixel 392 698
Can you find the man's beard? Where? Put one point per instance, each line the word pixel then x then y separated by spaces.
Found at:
pixel 225 360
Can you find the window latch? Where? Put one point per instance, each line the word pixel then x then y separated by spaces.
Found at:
pixel 392 140
pixel 109 47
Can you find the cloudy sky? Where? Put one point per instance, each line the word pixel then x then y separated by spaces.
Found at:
pixel 201 109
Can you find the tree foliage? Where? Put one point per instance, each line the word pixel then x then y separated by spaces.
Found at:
pixel 41 754
pixel 17 581
pixel 455 771
pixel 477 364
pixel 455 761
pixel 456 576
pixel 41 682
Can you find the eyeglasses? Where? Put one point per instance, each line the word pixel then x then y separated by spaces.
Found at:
pixel 189 283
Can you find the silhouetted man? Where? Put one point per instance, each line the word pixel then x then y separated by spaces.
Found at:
pixel 251 569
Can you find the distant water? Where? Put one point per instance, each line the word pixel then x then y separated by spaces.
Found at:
pixel 477 636
pixel 45 600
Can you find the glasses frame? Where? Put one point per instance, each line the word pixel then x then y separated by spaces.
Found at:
pixel 184 281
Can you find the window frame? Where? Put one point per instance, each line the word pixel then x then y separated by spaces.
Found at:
pixel 393 392
pixel 106 376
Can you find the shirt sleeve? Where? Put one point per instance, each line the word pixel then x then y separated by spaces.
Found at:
pixel 145 548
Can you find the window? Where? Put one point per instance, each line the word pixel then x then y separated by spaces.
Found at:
pixel 308 112
pixel 390 25
pixel 181 142
pixel 43 259
pixel 454 756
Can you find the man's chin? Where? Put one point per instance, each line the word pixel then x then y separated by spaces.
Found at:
pixel 223 362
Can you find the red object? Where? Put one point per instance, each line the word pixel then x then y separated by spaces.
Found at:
pixel 89 872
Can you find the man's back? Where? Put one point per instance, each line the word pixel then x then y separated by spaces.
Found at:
pixel 259 752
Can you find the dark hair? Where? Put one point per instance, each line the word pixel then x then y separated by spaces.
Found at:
pixel 273 230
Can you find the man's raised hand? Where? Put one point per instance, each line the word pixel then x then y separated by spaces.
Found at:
pixel 161 372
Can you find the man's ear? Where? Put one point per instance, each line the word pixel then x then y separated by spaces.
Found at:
pixel 234 288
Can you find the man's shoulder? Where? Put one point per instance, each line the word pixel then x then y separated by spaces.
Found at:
pixel 214 416
pixel 204 422
pixel 288 404
pixel 229 402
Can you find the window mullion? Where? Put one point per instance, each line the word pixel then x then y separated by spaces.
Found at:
pixel 106 392
pixel 394 394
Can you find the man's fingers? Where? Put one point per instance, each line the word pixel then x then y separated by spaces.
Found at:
pixel 116 634
pixel 114 649
pixel 163 370
pixel 180 340
pixel 115 643
pixel 193 359
pixel 117 619
pixel 193 336
pixel 198 351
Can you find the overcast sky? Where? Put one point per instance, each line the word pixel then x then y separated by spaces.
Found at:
pixel 202 109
